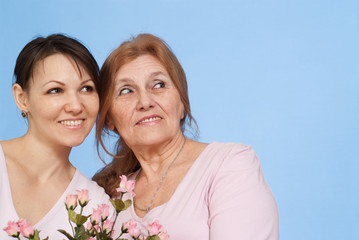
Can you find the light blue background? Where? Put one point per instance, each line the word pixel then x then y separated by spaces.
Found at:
pixel 281 76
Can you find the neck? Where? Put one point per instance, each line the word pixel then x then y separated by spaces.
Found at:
pixel 42 159
pixel 156 159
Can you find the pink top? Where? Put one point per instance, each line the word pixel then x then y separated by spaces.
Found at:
pixel 223 196
pixel 57 217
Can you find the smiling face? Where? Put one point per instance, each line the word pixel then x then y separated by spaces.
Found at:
pixel 62 103
pixel 146 107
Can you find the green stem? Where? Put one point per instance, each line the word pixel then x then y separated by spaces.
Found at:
pixel 113 225
pixel 81 210
pixel 72 227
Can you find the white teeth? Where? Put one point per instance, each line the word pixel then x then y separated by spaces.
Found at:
pixel 150 119
pixel 71 122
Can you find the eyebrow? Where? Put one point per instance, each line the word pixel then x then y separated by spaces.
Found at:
pixel 54 81
pixel 154 74
pixel 63 84
pixel 158 73
pixel 87 80
pixel 125 80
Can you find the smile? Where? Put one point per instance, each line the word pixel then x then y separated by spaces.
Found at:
pixel 72 122
pixel 149 120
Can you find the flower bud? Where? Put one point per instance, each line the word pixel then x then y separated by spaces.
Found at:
pixel 25 228
pixel 83 197
pixel 12 229
pixel 71 201
pixel 126 186
pixel 96 216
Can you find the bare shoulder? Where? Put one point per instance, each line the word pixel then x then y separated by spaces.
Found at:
pixel 10 147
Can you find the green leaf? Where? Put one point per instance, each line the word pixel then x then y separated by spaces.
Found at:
pixel 81 233
pixel 104 236
pixel 77 218
pixel 155 237
pixel 66 234
pixel 118 204
pixel 127 203
pixel 36 235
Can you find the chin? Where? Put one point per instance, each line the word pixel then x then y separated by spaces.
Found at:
pixel 74 142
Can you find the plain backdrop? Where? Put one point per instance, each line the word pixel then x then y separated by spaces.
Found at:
pixel 281 76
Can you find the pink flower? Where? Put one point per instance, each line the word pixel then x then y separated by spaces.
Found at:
pixel 96 227
pixel 154 228
pixel 164 236
pixel 83 197
pixel 107 226
pixel 12 229
pixel 134 232
pixel 131 227
pixel 104 209
pixel 129 224
pixel 88 226
pixel 126 186
pixel 92 238
pixel 96 216
pixel 71 201
pixel 25 228
pixel 92 229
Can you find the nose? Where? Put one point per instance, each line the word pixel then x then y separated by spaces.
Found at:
pixel 74 104
pixel 145 101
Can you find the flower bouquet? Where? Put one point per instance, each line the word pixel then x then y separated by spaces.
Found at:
pixel 96 226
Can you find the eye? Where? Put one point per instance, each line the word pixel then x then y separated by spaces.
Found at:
pixel 87 89
pixel 125 91
pixel 159 85
pixel 54 90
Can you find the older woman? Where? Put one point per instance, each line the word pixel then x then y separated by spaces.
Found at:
pixel 196 190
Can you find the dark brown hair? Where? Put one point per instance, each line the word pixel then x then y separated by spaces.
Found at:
pixel 124 161
pixel 42 47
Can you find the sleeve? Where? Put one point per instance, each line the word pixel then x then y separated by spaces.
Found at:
pixel 241 204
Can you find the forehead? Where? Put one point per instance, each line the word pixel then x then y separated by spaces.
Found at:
pixel 141 66
pixel 54 62
pixel 57 66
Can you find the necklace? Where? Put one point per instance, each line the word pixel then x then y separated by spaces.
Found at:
pixel 159 185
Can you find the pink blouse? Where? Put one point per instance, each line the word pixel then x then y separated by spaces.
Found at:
pixel 57 217
pixel 223 196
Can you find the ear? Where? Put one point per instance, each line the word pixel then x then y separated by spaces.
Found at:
pixel 183 114
pixel 109 123
pixel 183 111
pixel 21 97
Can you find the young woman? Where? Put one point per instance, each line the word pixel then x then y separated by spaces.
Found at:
pixel 55 90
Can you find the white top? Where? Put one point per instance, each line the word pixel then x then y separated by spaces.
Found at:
pixel 223 196
pixel 57 217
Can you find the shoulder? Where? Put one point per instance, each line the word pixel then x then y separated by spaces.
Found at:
pixel 240 195
pixel 233 155
pixel 11 146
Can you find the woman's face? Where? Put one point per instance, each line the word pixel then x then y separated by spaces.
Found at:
pixel 62 104
pixel 146 108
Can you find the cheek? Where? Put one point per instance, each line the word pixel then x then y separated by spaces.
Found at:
pixel 119 115
pixel 178 107
pixel 92 105
pixel 45 108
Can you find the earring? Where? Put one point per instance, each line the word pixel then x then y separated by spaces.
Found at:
pixel 23 114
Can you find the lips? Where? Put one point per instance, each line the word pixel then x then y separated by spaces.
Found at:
pixel 148 119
